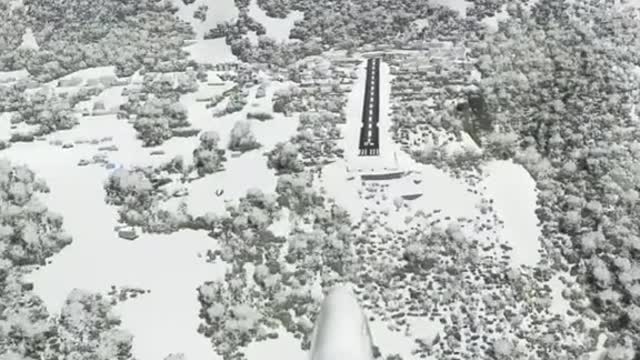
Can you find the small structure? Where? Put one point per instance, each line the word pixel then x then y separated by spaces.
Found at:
pixel 128 234
pixel 410 197
pixel 389 175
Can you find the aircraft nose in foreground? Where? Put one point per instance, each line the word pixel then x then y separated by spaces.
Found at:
pixel 341 331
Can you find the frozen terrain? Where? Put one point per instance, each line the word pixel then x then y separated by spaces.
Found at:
pixel 277 29
pixel 472 229
pixel 170 267
pixel 514 194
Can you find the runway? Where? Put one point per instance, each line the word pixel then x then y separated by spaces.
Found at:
pixel 369 133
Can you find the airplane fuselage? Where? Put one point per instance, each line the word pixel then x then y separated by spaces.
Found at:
pixel 341 331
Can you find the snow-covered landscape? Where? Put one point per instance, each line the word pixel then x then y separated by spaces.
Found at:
pixel 186 180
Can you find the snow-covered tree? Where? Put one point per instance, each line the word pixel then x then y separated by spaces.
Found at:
pixel 284 158
pixel 242 138
pixel 207 156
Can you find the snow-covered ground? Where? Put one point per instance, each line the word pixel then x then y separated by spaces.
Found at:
pixel 491 22
pixel 88 75
pixel 169 266
pixel 218 11
pixel 5 126
pixel 211 51
pixel 393 342
pixel 172 266
pixel 8 77
pixel 285 347
pixel 514 194
pixel 559 304
pixel 458 5
pixel 277 29
pixel 29 41
pixel 243 172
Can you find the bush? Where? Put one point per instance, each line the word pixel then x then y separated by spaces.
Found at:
pixel 262 116
pixel 201 13
pixel 25 217
pixel 130 188
pixel 20 137
pixel 208 157
pixel 295 192
pixel 242 138
pixel 185 132
pixel 153 131
pixel 237 102
pixel 284 158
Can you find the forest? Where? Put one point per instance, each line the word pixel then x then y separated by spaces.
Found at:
pixel 576 134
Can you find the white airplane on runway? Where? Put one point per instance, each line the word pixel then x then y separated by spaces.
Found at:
pixel 341 331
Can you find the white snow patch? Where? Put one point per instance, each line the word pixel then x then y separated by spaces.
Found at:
pixel 395 342
pixel 15 75
pixel 492 22
pixel 218 11
pixel 111 97
pixel 458 5
pixel 599 353
pixel 277 29
pixel 282 225
pixel 91 74
pixel 423 328
pixel 253 38
pixel 343 186
pixel 130 152
pixel 28 40
pixel 285 347
pixel 559 305
pixel 514 194
pixel 210 51
pixel 5 125
pixel 241 174
pixel 439 191
pixel 16 4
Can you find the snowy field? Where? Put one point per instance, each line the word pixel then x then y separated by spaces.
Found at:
pixel 514 194
pixel 170 267
pixel 211 51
